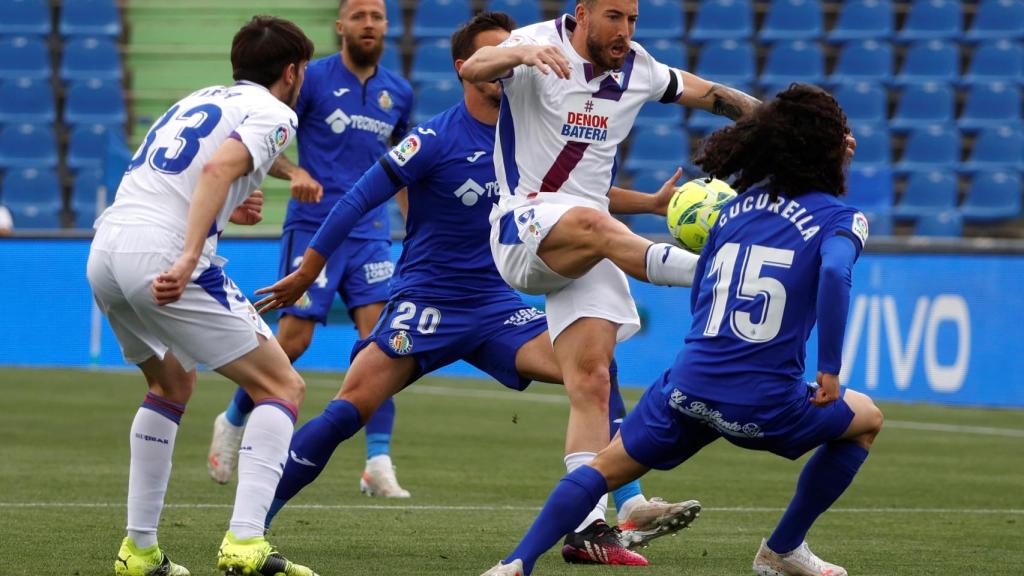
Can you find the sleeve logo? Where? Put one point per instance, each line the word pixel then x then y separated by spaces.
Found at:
pixel 512 41
pixel 406 149
pixel 277 139
pixel 860 227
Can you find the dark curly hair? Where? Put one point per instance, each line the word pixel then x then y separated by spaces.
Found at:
pixel 795 143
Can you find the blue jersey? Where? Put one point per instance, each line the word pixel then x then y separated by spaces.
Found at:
pixel 446 164
pixel 755 293
pixel 344 127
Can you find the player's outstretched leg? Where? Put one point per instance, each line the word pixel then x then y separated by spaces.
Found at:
pixel 228 427
pixel 378 477
pixel 823 480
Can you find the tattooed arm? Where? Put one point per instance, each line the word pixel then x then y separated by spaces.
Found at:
pixel 715 98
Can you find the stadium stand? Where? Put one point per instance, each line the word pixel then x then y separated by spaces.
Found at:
pixel 863 61
pixel 792 20
pixel 90 18
pixel 437 18
pixel 928 193
pixel 863 20
pixel 28 146
pixel 997 19
pixel 662 19
pixel 90 58
pixel 932 20
pixel 24 57
pixel 26 101
pixel 930 61
pixel 723 20
pixel 27 17
pixel 522 11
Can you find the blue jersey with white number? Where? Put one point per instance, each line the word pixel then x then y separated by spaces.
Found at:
pixel 446 164
pixel 754 298
pixel 344 127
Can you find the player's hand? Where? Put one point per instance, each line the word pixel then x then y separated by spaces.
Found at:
pixel 547 59
pixel 851 146
pixel 828 390
pixel 284 292
pixel 305 188
pixel 170 285
pixel 664 194
pixel 249 212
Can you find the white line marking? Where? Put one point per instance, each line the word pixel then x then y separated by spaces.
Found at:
pixel 432 508
pixel 433 390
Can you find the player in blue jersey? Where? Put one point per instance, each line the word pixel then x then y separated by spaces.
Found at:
pixel 449 302
pixel 351 110
pixel 779 258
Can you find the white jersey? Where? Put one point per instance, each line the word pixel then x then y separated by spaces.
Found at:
pixel 157 187
pixel 557 139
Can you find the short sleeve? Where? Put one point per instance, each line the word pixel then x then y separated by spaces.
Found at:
pixel 853 225
pixel 266 132
pixel 666 82
pixel 522 72
pixel 413 157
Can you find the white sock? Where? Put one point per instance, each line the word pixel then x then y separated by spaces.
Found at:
pixel 627 507
pixel 261 462
pixel 151 444
pixel 668 265
pixel 574 461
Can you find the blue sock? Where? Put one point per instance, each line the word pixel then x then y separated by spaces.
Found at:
pixel 616 412
pixel 824 478
pixel 570 502
pixel 378 430
pixel 240 407
pixel 311 448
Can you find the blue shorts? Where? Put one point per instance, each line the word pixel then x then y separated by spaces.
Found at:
pixel 487 332
pixel 668 425
pixel 359 271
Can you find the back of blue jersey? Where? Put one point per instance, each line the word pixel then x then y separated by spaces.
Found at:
pixel 344 127
pixel 755 295
pixel 447 165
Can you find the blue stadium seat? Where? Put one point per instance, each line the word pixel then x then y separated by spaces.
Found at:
pixel 28 146
pixel 863 102
pixel 391 58
pixel 647 224
pixel 996 148
pixel 863 20
pixel 668 52
pixel 728 62
pixel 116 157
pixel 927 192
pixel 658 114
pixel 870 190
pixel 874 148
pixel 27 101
pixel 524 12
pixel 650 180
pixel 991 105
pixel 864 61
pixel 33 197
pixel 95 102
pixel 87 145
pixel 657 148
pixel 922 105
pixel 435 97
pixel 25 17
pixel 930 61
pixel 396 20
pixel 998 61
pixel 90 18
pixel 438 18
pixel 932 20
pixel 90 58
pixel 723 20
pixel 792 20
pixel 948 223
pixel 931 148
pixel 432 61
pixel 24 57
pixel 789 62
pixel 993 196
pixel 660 19
pixel 84 194
pixel 997 19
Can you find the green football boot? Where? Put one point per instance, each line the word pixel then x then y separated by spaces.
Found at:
pixel 255 557
pixel 150 561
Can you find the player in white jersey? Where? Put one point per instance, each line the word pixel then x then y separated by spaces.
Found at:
pixel 155 273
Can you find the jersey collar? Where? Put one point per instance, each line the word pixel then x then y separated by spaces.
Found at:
pixel 249 83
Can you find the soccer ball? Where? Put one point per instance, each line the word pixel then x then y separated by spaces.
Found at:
pixel 694 209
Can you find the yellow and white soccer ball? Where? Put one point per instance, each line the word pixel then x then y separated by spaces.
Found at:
pixel 694 209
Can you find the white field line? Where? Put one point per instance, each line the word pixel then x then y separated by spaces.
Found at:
pixel 432 390
pixel 432 508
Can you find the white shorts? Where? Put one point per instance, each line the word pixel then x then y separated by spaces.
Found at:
pixel 212 324
pixel 603 292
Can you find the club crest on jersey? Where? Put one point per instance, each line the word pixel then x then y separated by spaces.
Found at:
pixel 406 149
pixel 400 342
pixel 585 124
pixel 385 101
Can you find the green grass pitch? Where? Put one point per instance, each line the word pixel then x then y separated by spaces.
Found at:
pixel 479 461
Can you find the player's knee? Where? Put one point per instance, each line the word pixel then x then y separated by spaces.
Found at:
pixel 590 384
pixel 873 419
pixel 296 387
pixel 295 345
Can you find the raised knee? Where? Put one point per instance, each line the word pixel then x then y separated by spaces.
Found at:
pixel 873 421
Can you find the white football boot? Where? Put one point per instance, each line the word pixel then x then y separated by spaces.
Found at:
pixel 379 479
pixel 513 569
pixel 656 518
pixel 799 562
pixel 223 456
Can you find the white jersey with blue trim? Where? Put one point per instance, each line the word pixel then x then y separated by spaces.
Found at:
pixel 158 185
pixel 557 138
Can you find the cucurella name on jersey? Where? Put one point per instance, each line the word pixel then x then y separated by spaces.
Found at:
pixel 792 211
